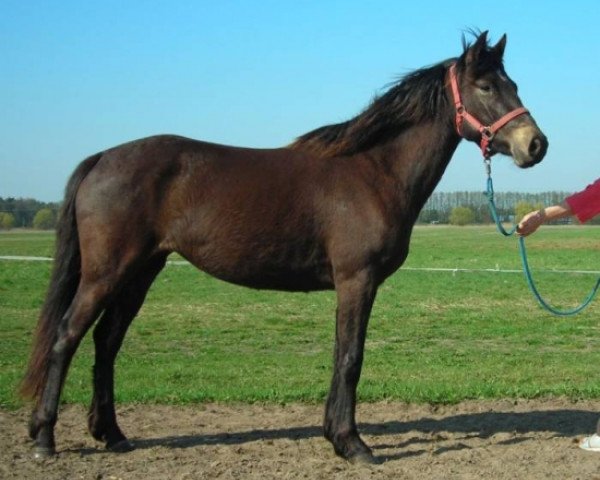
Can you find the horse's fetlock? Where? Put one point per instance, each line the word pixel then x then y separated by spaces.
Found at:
pixel 37 422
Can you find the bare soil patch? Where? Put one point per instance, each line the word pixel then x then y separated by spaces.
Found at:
pixel 473 440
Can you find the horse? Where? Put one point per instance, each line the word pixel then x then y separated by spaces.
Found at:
pixel 333 210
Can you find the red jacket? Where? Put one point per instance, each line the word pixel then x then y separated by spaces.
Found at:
pixel 586 204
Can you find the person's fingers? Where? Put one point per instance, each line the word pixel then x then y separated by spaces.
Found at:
pixel 527 227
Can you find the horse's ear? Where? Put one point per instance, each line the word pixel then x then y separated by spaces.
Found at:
pixel 474 51
pixel 498 49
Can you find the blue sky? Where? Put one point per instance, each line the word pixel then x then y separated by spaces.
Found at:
pixel 77 77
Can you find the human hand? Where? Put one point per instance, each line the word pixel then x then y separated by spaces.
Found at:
pixel 531 222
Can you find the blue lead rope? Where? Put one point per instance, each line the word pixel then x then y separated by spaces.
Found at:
pixel 490 196
pixel 489 193
pixel 538 297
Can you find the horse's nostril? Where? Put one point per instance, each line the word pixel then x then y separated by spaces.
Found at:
pixel 538 147
pixel 534 147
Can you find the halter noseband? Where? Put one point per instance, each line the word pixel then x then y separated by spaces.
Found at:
pixel 487 131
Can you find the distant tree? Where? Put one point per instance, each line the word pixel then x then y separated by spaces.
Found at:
pixel 24 209
pixel 429 216
pixel 461 216
pixel 7 221
pixel 444 202
pixel 44 219
pixel 482 214
pixel 523 207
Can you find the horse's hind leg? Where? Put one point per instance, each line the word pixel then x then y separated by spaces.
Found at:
pixel 84 309
pixel 108 337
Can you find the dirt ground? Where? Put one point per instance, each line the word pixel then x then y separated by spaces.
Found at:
pixel 473 440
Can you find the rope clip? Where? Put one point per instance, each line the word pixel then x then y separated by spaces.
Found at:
pixel 488 166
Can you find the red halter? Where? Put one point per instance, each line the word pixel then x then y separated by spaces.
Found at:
pixel 487 131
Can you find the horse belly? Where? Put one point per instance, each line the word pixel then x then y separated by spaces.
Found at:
pixel 263 266
pixel 258 254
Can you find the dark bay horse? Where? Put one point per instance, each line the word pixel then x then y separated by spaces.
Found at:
pixel 333 210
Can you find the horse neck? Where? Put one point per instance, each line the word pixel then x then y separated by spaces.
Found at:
pixel 416 160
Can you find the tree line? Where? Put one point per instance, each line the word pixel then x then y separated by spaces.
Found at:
pixel 27 213
pixel 462 208
pixel 456 208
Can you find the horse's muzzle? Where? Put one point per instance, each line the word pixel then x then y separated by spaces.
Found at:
pixel 529 146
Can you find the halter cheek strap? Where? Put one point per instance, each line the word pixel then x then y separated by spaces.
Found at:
pixel 487 131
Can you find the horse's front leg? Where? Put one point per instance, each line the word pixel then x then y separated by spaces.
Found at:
pixel 355 299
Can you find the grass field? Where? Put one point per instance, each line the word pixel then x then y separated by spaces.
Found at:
pixel 434 336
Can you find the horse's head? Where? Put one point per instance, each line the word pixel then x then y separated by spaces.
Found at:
pixel 488 109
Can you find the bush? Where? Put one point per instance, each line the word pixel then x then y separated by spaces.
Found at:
pixel 461 216
pixel 7 221
pixel 523 208
pixel 45 219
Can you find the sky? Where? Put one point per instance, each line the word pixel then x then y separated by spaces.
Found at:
pixel 77 77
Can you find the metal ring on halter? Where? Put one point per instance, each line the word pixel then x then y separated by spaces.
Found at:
pixel 487 133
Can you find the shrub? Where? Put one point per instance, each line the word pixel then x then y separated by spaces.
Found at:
pixel 44 219
pixel 7 221
pixel 461 216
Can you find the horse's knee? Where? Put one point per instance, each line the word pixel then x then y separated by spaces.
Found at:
pixel 351 367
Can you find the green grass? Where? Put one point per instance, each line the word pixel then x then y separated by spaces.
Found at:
pixel 433 336
pixel 27 243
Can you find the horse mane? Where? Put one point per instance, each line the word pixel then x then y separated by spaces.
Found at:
pixel 417 97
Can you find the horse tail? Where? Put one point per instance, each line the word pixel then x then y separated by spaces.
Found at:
pixel 62 288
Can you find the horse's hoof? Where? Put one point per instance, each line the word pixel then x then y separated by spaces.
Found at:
pixel 42 453
pixel 123 446
pixel 363 458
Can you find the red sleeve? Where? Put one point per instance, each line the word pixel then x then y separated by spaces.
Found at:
pixel 586 204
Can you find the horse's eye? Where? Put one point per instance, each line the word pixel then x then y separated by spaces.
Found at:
pixel 485 87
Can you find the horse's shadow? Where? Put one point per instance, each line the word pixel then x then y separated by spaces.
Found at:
pixel 560 423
